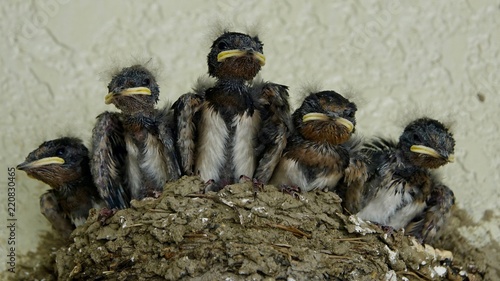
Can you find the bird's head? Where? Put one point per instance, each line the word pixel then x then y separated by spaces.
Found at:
pixel 427 143
pixel 235 56
pixel 57 162
pixel 326 117
pixel 133 89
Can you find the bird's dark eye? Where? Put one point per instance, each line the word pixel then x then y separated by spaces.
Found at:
pixel 222 46
pixel 129 84
pixel 60 151
pixel 416 138
pixel 350 114
pixel 145 82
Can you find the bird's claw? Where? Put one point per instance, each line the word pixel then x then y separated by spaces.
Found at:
pixel 209 186
pixel 157 194
pixel 292 190
pixel 258 185
pixel 105 213
pixel 387 229
pixel 244 179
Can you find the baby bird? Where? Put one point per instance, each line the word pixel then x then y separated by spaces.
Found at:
pixel 218 127
pixel 320 153
pixel 133 152
pixel 63 164
pixel 401 186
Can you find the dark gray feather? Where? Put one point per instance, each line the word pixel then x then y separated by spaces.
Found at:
pixel 185 111
pixel 51 210
pixel 108 160
pixel 166 125
pixel 274 108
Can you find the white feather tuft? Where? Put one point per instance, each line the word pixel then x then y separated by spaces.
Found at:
pixel 350 93
pixel 303 92
pixel 115 65
pixel 254 29
pixel 418 110
pixel 218 27
pixel 203 83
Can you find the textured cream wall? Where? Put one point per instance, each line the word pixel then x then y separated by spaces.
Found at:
pixel 401 59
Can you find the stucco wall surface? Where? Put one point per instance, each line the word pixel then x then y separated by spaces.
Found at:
pixel 398 59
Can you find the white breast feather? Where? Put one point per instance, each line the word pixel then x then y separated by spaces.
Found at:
pixel 133 170
pixel 244 144
pixel 383 205
pixel 153 161
pixel 295 175
pixel 288 172
pixel 406 214
pixel 212 143
pixel 323 181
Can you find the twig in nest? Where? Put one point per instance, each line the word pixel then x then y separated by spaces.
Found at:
pixel 120 265
pixel 158 211
pixel 295 231
pixel 283 245
pixel 331 255
pixel 219 200
pixel 133 225
pixel 339 257
pixel 196 235
pixel 347 211
pixel 201 195
pixel 285 251
pixel 189 246
pixel 414 274
pixel 168 252
pixel 349 239
pixel 359 240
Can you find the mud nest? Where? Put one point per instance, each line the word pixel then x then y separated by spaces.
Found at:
pixel 237 234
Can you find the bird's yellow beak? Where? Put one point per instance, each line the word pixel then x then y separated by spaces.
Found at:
pixel 41 162
pixel 422 149
pixel 346 123
pixel 127 92
pixel 238 53
pixel 316 116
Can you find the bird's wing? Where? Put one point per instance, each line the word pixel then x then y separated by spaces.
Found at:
pixel 50 208
pixel 357 170
pixel 377 152
pixel 351 189
pixel 109 154
pixel 166 127
pixel 274 108
pixel 427 225
pixel 185 120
